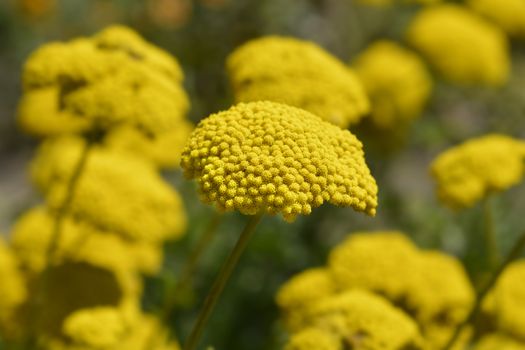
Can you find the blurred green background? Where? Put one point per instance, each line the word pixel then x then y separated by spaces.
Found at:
pixel 201 33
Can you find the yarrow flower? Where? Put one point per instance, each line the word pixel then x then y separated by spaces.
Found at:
pixel 362 320
pixel 113 78
pixel 113 188
pixel 266 157
pixel 498 341
pixel 469 172
pixel 313 338
pixel 463 47
pixel 397 82
pixel 430 286
pixel 300 74
pixel 506 14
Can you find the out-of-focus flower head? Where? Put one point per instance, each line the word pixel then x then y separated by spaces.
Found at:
pixel 509 301
pixel 116 192
pixel 164 150
pixel 79 240
pixel 363 320
pixel 499 341
pixel 110 79
pixel 13 292
pixel 314 339
pixel 395 2
pixel 397 82
pixel 294 297
pixel 463 47
pixel 469 172
pixel 298 73
pixel 433 287
pixel 506 14
pixel 272 158
pixel 170 14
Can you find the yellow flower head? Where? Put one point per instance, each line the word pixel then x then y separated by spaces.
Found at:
pixel 164 150
pixel 468 172
pixel 461 46
pixel 397 82
pixel 506 14
pixel 363 320
pixel 116 192
pixel 393 2
pixel 13 292
pixel 273 158
pixel 499 341
pixel 432 286
pixel 300 291
pixel 298 73
pixel 110 79
pixel 509 300
pixel 314 339
pixel 81 241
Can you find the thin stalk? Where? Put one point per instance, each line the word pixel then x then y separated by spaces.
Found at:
pixel 187 272
pixel 513 255
pixel 220 282
pixel 491 243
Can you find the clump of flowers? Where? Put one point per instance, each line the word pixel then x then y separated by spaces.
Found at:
pixel 397 82
pixel 431 287
pixel 297 73
pixel 506 14
pixel 461 46
pixel 266 157
pixel 467 173
pixel 498 341
pixel 362 320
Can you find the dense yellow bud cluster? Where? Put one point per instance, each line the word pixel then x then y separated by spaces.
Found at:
pixel 397 82
pixel 432 287
pixel 507 14
pixel 116 192
pixel 13 292
pixel 469 172
pixel 297 73
pixel 272 158
pixel 113 78
pixel 463 47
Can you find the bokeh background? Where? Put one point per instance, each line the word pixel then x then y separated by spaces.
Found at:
pixel 201 33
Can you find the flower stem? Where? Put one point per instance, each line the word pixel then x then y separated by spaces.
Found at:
pixel 513 255
pixel 220 282
pixel 491 242
pixel 187 272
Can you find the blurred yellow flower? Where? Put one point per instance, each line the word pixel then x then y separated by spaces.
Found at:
pixel 298 73
pixel 498 341
pixel 313 339
pixel 113 78
pixel 363 320
pixel 463 47
pixel 13 290
pixel 393 2
pixel 300 291
pixel 79 240
pixel 509 301
pixel 273 158
pixel 116 192
pixel 507 14
pixel 469 172
pixel 397 82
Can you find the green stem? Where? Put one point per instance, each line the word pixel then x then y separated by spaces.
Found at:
pixel 513 255
pixel 491 242
pixel 220 282
pixel 55 238
pixel 186 273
